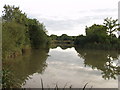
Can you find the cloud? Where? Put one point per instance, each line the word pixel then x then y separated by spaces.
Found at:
pixel 56 23
pixel 64 24
pixel 62 16
pixel 108 10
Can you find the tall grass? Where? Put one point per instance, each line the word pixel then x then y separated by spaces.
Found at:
pixel 69 88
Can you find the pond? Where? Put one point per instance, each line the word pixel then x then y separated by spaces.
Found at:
pixel 66 67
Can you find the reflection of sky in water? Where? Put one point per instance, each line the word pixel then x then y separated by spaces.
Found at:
pixel 65 66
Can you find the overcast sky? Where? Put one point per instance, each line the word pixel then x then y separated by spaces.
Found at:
pixel 67 16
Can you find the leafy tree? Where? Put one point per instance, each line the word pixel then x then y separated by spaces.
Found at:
pixel 96 33
pixel 97 37
pixel 12 13
pixel 13 36
pixel 96 30
pixel 37 33
pixel 20 32
pixel 80 40
pixel 53 37
pixel 111 25
pixel 64 37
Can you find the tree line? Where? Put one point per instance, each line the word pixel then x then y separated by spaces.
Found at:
pixel 20 32
pixel 98 36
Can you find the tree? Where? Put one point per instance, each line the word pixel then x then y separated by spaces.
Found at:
pixel 20 32
pixel 12 13
pixel 96 29
pixel 65 37
pixel 111 25
pixel 13 38
pixel 37 33
pixel 96 33
pixel 53 37
pixel 80 40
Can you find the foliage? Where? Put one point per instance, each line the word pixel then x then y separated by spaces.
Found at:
pixel 13 35
pixel 80 40
pixel 20 32
pixel 12 13
pixel 98 37
pixel 63 40
pixel 64 37
pixel 53 37
pixel 37 33
pixel 8 80
pixel 96 34
pixel 111 25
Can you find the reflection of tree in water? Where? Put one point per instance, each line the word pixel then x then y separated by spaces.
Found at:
pixel 23 66
pixel 102 60
pixel 63 46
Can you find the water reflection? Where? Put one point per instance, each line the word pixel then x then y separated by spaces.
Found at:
pixel 65 64
pixel 63 46
pixel 105 61
pixel 24 66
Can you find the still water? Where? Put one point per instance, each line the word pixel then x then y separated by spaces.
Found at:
pixel 66 66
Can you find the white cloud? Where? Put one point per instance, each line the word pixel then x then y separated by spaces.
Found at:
pixel 65 15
